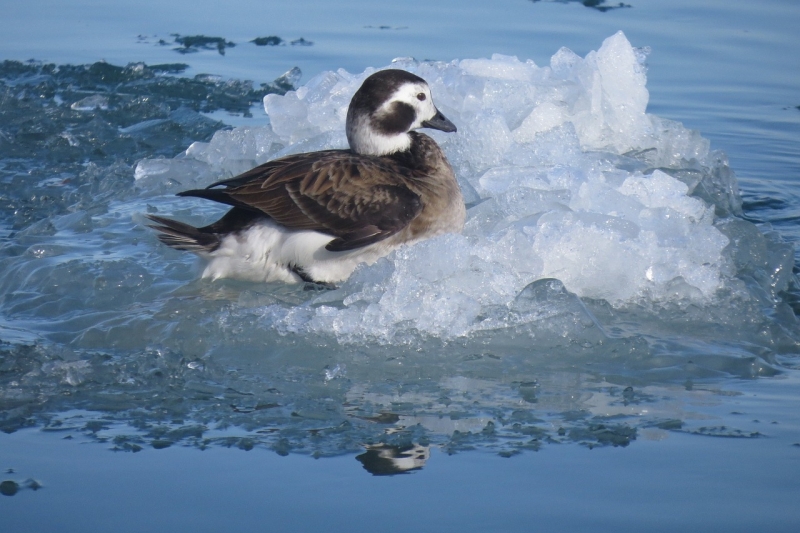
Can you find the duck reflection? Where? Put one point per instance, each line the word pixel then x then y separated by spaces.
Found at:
pixel 387 460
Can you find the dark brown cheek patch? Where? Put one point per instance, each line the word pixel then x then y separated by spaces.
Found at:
pixel 397 119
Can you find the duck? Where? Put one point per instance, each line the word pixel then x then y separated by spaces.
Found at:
pixel 315 217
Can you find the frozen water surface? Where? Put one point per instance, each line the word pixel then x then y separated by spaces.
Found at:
pixel 611 290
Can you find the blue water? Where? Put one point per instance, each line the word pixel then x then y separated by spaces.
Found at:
pixel 684 425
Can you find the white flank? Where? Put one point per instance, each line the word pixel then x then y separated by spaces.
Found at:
pixel 268 252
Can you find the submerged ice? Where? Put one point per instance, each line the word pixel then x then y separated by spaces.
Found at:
pixel 566 177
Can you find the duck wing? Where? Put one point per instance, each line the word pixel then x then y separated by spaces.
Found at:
pixel 358 199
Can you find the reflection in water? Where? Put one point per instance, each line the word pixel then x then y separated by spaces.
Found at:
pixel 599 5
pixel 383 460
pixel 10 487
pixel 392 410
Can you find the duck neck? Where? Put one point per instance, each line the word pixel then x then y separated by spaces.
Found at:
pixel 365 140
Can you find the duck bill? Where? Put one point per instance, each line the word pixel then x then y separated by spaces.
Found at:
pixel 440 122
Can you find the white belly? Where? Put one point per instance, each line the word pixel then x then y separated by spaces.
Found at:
pixel 268 252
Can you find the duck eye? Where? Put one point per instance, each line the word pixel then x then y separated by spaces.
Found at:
pixel 421 97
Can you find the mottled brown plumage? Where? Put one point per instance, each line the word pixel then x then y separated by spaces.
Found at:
pixel 358 199
pixel 393 186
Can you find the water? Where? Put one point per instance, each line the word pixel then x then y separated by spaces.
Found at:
pixel 648 382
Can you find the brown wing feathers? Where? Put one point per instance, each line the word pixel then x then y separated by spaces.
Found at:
pixel 360 200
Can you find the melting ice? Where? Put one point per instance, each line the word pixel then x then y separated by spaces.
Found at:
pixel 567 177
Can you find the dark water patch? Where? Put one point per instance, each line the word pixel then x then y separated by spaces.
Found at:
pixel 69 134
pixel 757 203
pixel 10 487
pixel 274 40
pixel 595 434
pixel 271 40
pixel 190 44
pixel 726 432
pixel 599 5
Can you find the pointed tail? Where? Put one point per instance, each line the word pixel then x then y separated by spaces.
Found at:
pixel 183 236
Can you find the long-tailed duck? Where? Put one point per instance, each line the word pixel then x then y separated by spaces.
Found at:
pixel 316 216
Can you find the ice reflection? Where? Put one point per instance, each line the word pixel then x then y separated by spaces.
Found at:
pixel 390 411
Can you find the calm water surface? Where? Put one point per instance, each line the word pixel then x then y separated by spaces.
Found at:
pixel 696 442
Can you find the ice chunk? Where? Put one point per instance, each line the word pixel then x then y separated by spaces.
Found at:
pixel 90 103
pixel 624 95
pixel 557 312
pixel 500 67
pixel 545 116
pixel 71 373
pixel 171 175
pixel 235 151
pixel 563 62
pixel 481 144
pixel 286 113
pixel 566 177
